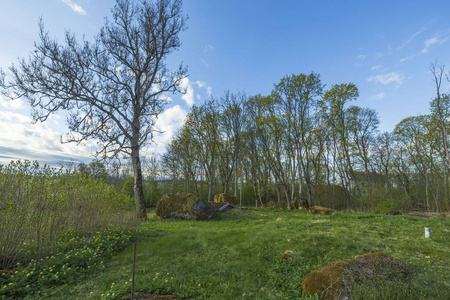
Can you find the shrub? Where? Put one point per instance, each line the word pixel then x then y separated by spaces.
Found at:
pixel 41 207
pixel 386 206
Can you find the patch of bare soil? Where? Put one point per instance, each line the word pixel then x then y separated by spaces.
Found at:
pixel 429 214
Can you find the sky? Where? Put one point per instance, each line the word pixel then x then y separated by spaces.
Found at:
pixel 384 47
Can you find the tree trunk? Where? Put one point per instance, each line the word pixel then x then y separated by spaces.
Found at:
pixel 211 181
pixel 235 178
pixel 138 184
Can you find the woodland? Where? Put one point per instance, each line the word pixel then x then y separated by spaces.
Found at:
pixel 69 232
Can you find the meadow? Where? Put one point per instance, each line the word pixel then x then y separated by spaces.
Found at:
pixel 238 256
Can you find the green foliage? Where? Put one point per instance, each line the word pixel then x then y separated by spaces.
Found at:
pixel 386 206
pixel 40 207
pixel 152 192
pixel 75 258
pixel 95 169
pixel 128 186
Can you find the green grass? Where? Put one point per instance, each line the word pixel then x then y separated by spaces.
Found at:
pixel 238 255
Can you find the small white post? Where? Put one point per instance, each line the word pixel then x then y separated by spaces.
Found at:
pixel 427 233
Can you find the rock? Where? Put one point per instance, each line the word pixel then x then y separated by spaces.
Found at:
pixel 338 279
pixel 225 198
pixel 203 210
pixel 271 204
pixel 144 296
pixel 322 211
pixel 288 255
pixel 183 205
pixel 394 213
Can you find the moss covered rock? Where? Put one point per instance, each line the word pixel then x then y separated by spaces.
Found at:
pixel 177 205
pixel 322 211
pixel 271 204
pixel 203 210
pixel 144 296
pixel 225 198
pixel 339 279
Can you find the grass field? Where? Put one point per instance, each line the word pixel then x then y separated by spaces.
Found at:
pixel 238 255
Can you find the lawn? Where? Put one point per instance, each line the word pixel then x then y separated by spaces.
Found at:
pixel 238 255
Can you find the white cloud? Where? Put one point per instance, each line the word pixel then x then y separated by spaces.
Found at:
pixel 406 58
pixel 15 104
pixel 430 42
pixel 438 39
pixel 169 122
pixel 23 140
pixel 199 83
pixel 202 84
pixel 361 57
pixel 377 67
pixel 75 7
pixel 208 48
pixel 413 36
pixel 392 77
pixel 188 95
pixel 378 96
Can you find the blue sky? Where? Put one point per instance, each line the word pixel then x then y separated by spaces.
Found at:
pixel 384 47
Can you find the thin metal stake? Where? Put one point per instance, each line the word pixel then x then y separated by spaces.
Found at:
pixel 134 268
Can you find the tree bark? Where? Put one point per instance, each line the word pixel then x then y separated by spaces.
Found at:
pixel 138 183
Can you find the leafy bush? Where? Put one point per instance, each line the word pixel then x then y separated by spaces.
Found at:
pixel 41 208
pixel 385 206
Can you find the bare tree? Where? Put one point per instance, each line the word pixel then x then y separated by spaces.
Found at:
pixel 113 87
pixel 232 124
pixel 203 126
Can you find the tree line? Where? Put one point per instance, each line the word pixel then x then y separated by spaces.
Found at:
pixel 302 145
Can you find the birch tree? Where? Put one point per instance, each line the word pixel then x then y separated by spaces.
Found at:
pixel 114 87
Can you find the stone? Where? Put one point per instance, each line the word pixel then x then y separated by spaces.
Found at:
pixel 271 204
pixel 225 198
pixel 203 210
pixel 184 205
pixel 321 211
pixel 337 280
pixel 288 255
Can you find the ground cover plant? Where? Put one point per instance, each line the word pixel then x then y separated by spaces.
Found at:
pixel 55 226
pixel 238 256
